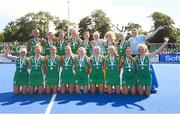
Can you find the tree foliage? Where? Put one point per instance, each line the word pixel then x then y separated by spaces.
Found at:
pixel 97 21
pixel 169 31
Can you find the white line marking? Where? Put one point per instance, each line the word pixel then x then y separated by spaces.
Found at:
pixel 48 110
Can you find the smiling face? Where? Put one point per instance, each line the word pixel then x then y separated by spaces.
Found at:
pixel 74 35
pixel 50 35
pixel 37 50
pixel 121 37
pixel 128 51
pixel 53 51
pixel 112 51
pixel 67 50
pixel 86 36
pixel 141 50
pixel 96 36
pixel 23 53
pixel 96 51
pixel 36 34
pixel 61 35
pixel 81 51
pixel 108 37
pixel 134 32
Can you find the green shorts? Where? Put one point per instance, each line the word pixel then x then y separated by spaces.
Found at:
pixel 21 78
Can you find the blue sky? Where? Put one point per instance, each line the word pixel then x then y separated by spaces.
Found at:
pixel 119 11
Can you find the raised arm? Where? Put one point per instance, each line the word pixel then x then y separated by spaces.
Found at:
pixel 160 48
pixel 150 35
pixel 6 54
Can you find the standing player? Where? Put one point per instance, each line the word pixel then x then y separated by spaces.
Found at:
pixel 143 62
pixel 112 70
pixel 21 75
pixel 33 42
pixel 81 68
pixel 75 42
pixel 121 45
pixel 48 43
pixel 109 41
pixel 61 44
pixel 36 64
pixel 67 78
pixel 97 63
pixel 87 44
pixel 52 71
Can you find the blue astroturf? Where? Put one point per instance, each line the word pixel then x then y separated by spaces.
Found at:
pixel 166 100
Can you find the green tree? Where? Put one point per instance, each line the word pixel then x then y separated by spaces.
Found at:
pixel 169 31
pixel 132 25
pixel 1 37
pixel 97 21
pixel 86 25
pixel 21 29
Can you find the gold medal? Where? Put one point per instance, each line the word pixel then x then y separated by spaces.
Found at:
pixel 129 70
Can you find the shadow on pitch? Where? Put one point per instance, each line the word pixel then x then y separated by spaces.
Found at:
pixel 9 99
pixel 100 100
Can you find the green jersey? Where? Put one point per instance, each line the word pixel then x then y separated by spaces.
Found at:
pixel 128 76
pixel 97 75
pixel 74 44
pixel 21 75
pixel 81 71
pixel 143 74
pixel 47 47
pixel 52 74
pixel 61 47
pixel 121 48
pixel 36 75
pixel 33 43
pixel 112 71
pixel 67 74
pixel 88 48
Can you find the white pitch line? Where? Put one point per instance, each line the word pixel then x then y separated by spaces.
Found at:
pixel 48 110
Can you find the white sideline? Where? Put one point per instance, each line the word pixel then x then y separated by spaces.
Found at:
pixel 48 110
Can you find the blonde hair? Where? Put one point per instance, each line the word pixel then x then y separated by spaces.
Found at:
pixel 96 32
pixel 84 50
pixel 112 47
pixel 96 47
pixel 38 46
pixel 35 31
pixel 86 32
pixel 144 46
pixel 68 46
pixel 113 36
pixel 53 47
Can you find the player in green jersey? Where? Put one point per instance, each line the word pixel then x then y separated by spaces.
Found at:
pixel 87 44
pixel 144 78
pixel 36 64
pixel 21 75
pixel 97 63
pixel 61 44
pixel 75 42
pixel 67 79
pixel 52 71
pixel 33 42
pixel 81 67
pixel 48 43
pixel 109 38
pixel 112 70
pixel 121 45
pixel 128 76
